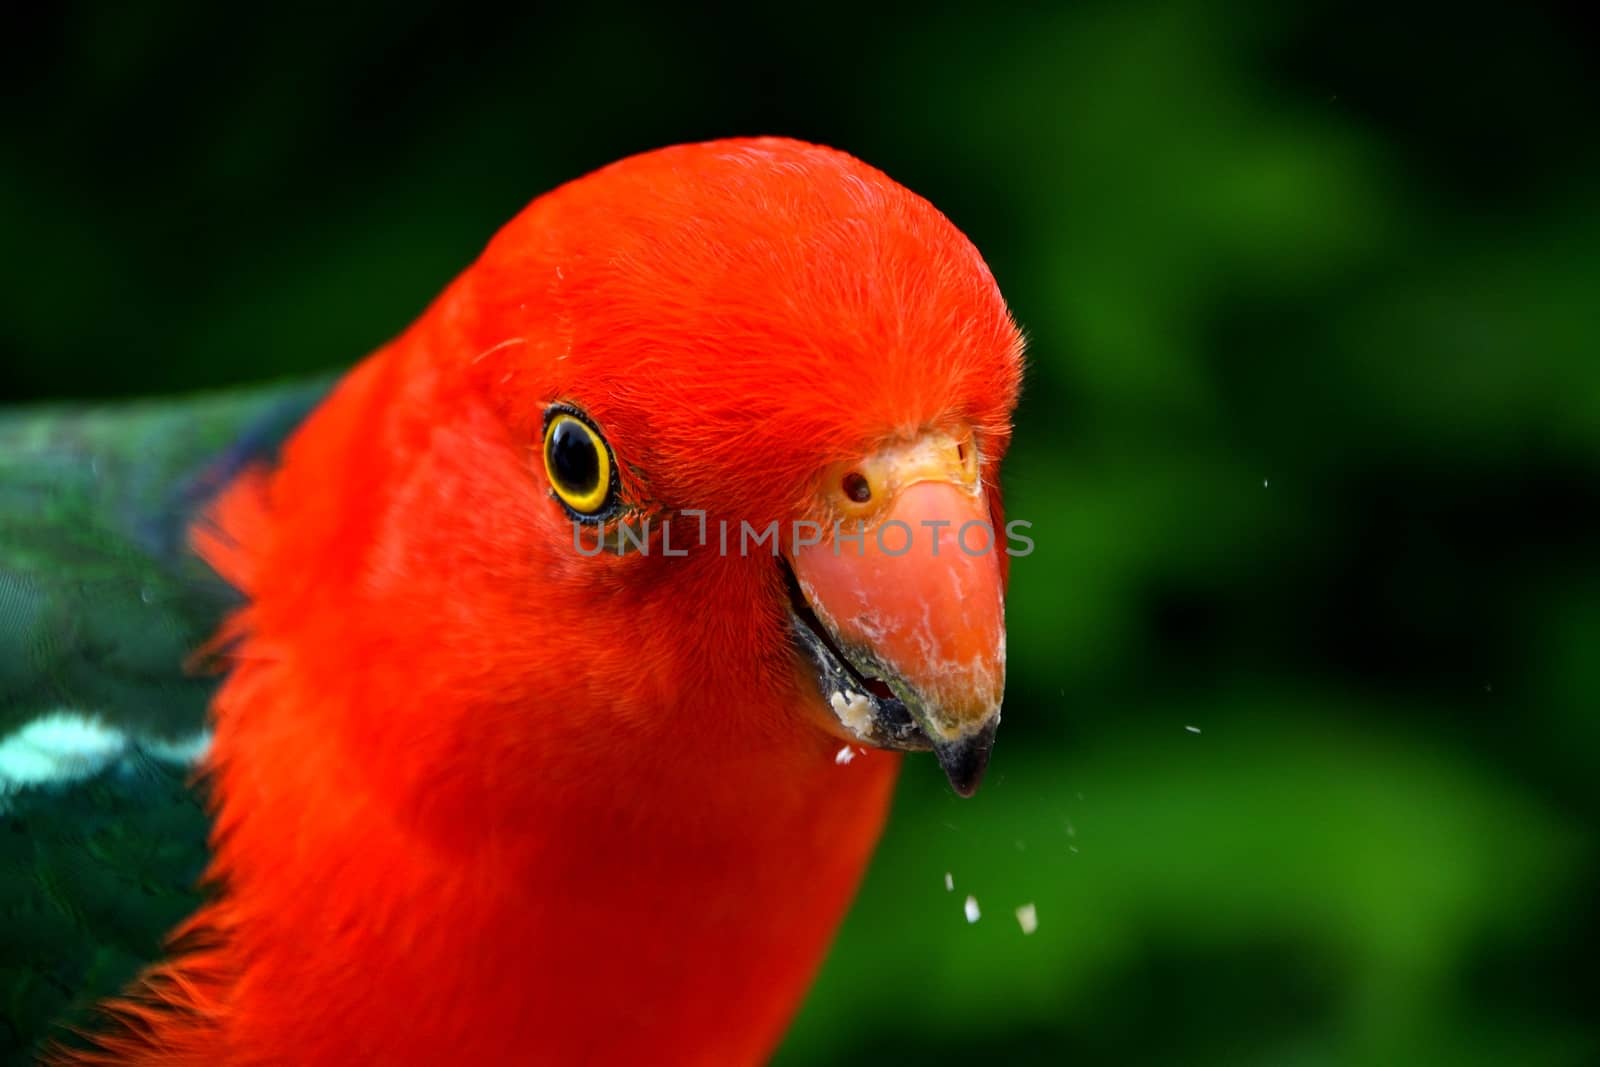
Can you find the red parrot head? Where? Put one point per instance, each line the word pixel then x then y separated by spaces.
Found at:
pixel 765 377
pixel 702 453
pixel 561 606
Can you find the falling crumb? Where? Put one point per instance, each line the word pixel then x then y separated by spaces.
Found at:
pixel 1192 729
pixel 1072 849
pixel 844 755
pixel 971 908
pixel 949 882
pixel 1263 483
pixel 1028 918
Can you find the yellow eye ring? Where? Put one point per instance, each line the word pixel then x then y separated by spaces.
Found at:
pixel 578 464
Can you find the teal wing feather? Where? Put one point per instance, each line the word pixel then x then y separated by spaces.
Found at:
pixel 101 602
pixel 100 597
pixel 92 878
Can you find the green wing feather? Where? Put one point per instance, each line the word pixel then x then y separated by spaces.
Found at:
pixel 91 880
pixel 101 601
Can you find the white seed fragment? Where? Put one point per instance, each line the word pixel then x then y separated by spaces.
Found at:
pixel 854 710
pixel 844 755
pixel 949 882
pixel 1028 918
pixel 1192 729
pixel 971 908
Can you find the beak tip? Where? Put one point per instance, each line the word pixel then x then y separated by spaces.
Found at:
pixel 964 760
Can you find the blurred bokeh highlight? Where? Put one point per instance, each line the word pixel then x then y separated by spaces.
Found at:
pixel 1301 738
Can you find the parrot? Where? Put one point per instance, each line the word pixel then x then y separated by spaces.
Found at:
pixel 571 641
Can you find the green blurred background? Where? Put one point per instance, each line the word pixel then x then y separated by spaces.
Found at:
pixel 1301 738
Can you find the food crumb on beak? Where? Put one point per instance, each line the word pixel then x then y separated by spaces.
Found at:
pixel 854 710
pixel 1028 918
pixel 844 755
pixel 971 908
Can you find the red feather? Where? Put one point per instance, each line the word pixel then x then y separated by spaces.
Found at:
pixel 481 799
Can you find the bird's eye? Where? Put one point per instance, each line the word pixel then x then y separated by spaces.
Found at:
pixel 578 463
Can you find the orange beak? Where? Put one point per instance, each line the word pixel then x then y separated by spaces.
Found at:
pixel 908 592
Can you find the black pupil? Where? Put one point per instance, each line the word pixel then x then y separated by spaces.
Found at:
pixel 573 458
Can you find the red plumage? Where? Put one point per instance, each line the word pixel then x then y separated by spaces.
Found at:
pixel 483 799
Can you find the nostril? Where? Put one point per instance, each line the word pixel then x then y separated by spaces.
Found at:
pixel 961 451
pixel 856 487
